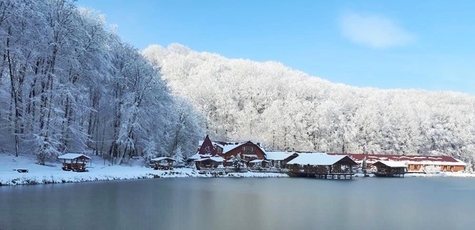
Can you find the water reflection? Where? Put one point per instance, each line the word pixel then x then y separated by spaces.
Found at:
pixel 244 203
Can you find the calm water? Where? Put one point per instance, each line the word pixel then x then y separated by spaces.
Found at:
pixel 245 203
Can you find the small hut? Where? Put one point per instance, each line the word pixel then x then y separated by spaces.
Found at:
pixel 74 162
pixel 390 169
pixel 321 165
pixel 208 162
pixel 162 163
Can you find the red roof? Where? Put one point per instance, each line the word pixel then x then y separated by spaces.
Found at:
pixel 384 157
pixel 207 147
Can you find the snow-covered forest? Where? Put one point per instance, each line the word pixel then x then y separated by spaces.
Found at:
pixel 290 110
pixel 69 84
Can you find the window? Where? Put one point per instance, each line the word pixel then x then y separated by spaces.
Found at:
pixel 248 150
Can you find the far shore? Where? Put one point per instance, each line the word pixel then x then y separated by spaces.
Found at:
pixel 100 171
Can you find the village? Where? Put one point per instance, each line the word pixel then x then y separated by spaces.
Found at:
pixel 225 157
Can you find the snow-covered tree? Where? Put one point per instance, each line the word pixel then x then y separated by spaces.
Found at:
pixel 289 110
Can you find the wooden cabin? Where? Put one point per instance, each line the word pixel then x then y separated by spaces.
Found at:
pixel 321 165
pixel 207 156
pixel 389 169
pixel 74 162
pixel 228 151
pixel 207 147
pixel 208 162
pixel 247 151
pixel 415 163
pixel 162 163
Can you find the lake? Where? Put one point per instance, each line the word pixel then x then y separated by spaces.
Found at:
pixel 243 203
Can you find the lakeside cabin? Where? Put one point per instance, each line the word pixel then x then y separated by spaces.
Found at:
pixel 162 163
pixel 390 169
pixel 415 163
pixel 321 165
pixel 74 162
pixel 208 162
pixel 251 153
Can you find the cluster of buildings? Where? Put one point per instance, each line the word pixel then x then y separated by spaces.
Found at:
pixel 211 155
pixel 249 155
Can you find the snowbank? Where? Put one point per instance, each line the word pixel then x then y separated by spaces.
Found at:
pixel 440 174
pixel 97 171
pixel 100 171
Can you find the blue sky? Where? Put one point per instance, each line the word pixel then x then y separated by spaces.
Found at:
pixel 383 44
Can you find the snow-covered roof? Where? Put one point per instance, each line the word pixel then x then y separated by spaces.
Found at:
pixel 394 164
pixel 162 158
pixel 215 159
pixel 229 147
pixel 196 156
pixel 407 159
pixel 278 156
pixel 71 156
pixel 316 159
pixel 258 161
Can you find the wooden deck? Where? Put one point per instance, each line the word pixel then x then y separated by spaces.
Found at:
pixel 379 174
pixel 334 176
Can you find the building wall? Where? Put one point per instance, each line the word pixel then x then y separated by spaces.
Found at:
pixel 443 168
pixel 248 151
pixel 244 150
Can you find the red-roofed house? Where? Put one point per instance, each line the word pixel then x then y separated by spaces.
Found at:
pixel 248 151
pixel 207 155
pixel 415 163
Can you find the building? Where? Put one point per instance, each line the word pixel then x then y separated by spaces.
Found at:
pixel 321 165
pixel 207 156
pixel 227 153
pixel 162 163
pixel 74 162
pixel 390 169
pixel 414 163
pixel 246 151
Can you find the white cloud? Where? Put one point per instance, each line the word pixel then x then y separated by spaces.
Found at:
pixel 374 31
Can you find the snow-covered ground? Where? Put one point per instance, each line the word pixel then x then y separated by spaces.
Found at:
pixel 97 171
pixel 100 171
pixel 439 174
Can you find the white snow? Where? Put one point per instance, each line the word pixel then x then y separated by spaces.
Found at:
pixel 258 161
pixel 71 156
pixel 394 164
pixel 97 171
pixel 316 159
pixel 215 159
pixel 162 158
pixel 278 156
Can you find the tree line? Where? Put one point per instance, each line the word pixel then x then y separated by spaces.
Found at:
pixel 289 110
pixel 69 84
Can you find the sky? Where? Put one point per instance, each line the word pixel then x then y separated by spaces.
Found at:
pixel 424 44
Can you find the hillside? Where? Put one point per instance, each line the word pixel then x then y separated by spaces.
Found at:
pixel 69 84
pixel 289 110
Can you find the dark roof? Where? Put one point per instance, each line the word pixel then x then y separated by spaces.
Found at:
pixel 386 157
pixel 207 147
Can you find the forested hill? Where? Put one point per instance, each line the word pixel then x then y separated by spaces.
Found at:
pixel 69 84
pixel 290 110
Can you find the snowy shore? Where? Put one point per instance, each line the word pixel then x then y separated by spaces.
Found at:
pixel 98 171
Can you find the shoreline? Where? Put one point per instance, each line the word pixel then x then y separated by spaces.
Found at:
pixel 98 170
pixel 74 177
